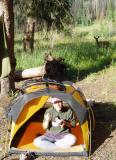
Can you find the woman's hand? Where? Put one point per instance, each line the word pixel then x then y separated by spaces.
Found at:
pixel 63 124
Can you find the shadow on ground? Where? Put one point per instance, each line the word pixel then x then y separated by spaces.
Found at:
pixel 105 118
pixel 79 74
pixel 101 59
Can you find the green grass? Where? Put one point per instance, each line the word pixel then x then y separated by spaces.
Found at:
pixel 78 48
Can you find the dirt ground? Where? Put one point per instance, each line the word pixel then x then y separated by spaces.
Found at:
pixel 102 88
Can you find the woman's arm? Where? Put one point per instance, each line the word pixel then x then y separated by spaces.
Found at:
pixel 71 119
pixel 46 121
pixel 70 122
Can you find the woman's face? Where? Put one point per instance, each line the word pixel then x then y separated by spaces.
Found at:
pixel 57 105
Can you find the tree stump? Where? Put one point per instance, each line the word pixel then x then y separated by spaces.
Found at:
pixel 28 41
pixel 4 86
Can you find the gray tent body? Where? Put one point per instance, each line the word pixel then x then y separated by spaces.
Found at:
pixel 80 110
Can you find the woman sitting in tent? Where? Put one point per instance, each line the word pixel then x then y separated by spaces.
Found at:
pixel 57 122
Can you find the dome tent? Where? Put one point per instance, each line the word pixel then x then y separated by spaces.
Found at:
pixel 27 115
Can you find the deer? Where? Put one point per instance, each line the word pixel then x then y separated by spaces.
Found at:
pixel 102 44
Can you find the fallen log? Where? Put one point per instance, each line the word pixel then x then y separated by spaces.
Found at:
pixel 29 73
pixel 53 69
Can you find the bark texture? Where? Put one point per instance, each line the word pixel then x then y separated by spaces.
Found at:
pixel 28 41
pixel 9 26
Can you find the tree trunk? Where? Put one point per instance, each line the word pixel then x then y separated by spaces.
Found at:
pixel 74 10
pixel 9 26
pixel 4 59
pixel 4 86
pixel 1 37
pixel 28 41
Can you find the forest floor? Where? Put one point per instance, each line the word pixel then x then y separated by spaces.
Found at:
pixel 102 88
